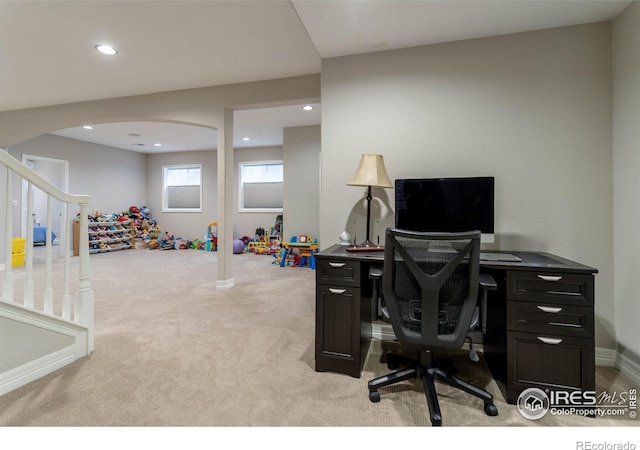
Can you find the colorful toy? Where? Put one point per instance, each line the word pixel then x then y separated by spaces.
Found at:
pixel 211 239
pixel 238 246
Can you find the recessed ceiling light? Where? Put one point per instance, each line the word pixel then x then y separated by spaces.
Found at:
pixel 87 127
pixel 246 139
pixel 106 49
pixel 157 145
pixel 307 107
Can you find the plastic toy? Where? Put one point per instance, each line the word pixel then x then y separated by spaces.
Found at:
pixel 211 238
pixel 238 246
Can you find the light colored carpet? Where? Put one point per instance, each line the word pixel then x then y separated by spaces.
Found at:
pixel 171 350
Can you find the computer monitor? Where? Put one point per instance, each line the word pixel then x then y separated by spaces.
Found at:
pixel 446 205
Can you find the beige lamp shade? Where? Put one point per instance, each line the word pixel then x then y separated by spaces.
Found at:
pixel 371 172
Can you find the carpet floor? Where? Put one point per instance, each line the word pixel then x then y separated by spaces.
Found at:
pixel 173 351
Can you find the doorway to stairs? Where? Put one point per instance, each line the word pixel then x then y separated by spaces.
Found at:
pixel 55 171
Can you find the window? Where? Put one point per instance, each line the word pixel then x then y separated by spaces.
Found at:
pixel 261 186
pixel 182 188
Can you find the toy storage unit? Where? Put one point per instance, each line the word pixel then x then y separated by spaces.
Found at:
pixel 17 251
pixel 104 236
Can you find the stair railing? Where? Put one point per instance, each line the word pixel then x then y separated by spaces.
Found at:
pixel 82 312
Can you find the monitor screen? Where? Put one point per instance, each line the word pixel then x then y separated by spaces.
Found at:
pixel 445 204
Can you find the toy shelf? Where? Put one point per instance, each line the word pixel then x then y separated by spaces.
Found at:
pixel 104 236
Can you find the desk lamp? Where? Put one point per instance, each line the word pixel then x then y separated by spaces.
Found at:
pixel 370 173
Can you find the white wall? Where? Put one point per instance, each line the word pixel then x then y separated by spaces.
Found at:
pixel 114 178
pixel 301 148
pixel 210 106
pixel 23 343
pixel 53 172
pixel 626 179
pixel 136 179
pixel 245 223
pixel 191 225
pixel 532 109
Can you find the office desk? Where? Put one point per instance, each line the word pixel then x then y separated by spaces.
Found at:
pixel 540 324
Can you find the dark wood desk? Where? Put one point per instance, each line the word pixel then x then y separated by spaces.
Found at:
pixel 540 321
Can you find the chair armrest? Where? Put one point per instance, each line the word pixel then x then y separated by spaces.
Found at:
pixel 487 283
pixel 375 273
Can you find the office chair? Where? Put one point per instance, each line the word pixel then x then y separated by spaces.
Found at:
pixel 430 286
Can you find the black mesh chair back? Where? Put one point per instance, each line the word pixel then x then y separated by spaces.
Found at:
pixel 431 285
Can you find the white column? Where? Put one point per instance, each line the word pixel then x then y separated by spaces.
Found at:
pixel 225 202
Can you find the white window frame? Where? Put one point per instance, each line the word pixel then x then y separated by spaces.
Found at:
pixel 241 207
pixel 165 196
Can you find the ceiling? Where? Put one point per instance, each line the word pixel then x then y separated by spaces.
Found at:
pixel 47 53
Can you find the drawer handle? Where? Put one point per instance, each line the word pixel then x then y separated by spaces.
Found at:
pixel 549 309
pixel 550 277
pixel 337 291
pixel 337 264
pixel 575 294
pixel 548 340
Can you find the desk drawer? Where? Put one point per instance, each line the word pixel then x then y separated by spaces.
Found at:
pixel 550 287
pixel 338 273
pixel 554 319
pixel 548 362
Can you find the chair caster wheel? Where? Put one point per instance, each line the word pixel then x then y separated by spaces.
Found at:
pixel 374 396
pixel 490 409
pixel 392 366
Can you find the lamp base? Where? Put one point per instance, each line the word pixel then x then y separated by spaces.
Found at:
pixel 367 244
pixel 364 249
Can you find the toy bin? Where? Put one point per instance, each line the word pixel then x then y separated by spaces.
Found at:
pixel 17 259
pixel 17 245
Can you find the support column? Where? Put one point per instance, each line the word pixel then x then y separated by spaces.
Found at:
pixel 225 202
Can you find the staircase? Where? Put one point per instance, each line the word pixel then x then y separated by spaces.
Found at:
pixel 41 329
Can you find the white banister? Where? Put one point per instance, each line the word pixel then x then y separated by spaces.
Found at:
pixel 66 297
pixel 28 281
pixel 7 286
pixel 82 311
pixel 84 294
pixel 48 290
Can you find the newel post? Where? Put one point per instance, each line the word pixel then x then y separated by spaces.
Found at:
pixel 83 309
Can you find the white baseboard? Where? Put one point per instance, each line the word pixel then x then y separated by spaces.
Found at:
pixel 606 357
pixel 38 368
pixel 225 284
pixel 629 368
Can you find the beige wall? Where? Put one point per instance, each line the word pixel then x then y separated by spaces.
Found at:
pixel 192 225
pixel 113 177
pixel 212 107
pixel 245 223
pixel 301 181
pixel 626 180
pixel 531 109
pixel 117 179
